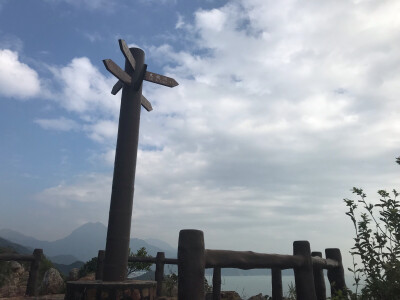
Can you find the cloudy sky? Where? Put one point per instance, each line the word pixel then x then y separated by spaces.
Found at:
pixel 282 107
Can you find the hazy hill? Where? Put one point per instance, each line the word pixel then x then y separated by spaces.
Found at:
pixel 63 259
pixel 64 269
pixel 83 243
pixel 5 244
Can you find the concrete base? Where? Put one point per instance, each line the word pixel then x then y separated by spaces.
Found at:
pixel 113 290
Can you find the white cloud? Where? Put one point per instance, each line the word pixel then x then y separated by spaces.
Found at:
pixel 60 124
pixel 282 107
pixel 85 89
pixel 103 131
pixel 94 188
pixel 180 23
pixel 17 80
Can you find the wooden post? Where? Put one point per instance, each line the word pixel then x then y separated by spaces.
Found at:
pixel 276 280
pixel 159 276
pixel 120 214
pixel 32 288
pixel 217 284
pixel 336 275
pixel 191 264
pixel 100 265
pixel 304 275
pixel 319 281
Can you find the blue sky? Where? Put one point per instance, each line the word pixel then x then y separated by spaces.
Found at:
pixel 282 107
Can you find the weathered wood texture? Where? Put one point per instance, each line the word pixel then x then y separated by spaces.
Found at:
pixel 216 284
pixel 120 215
pixel 160 79
pixel 303 275
pixel 191 265
pixel 114 69
pixel 159 275
pixel 16 257
pixel 167 261
pixel 336 275
pixel 319 281
pixel 326 264
pixel 100 264
pixel 247 260
pixel 276 280
pixel 146 104
pixel 117 87
pixel 127 53
pixel 32 288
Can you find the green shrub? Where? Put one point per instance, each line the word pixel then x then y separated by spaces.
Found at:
pixel 89 267
pixel 138 266
pixel 377 246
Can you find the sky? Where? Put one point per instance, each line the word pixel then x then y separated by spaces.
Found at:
pixel 282 107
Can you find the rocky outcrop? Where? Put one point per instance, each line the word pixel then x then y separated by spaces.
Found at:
pixel 88 277
pixel 258 297
pixel 52 283
pixel 73 274
pixel 230 295
pixel 15 283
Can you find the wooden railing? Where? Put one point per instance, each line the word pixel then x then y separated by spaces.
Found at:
pixel 159 261
pixel 32 287
pixel 193 258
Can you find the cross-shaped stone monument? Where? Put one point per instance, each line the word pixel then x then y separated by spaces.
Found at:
pixel 119 223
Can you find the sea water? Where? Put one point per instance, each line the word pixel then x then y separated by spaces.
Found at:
pixel 247 286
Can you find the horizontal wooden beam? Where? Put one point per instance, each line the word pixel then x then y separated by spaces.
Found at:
pixel 16 257
pixel 168 261
pixel 114 69
pixel 160 79
pixel 247 260
pixel 323 263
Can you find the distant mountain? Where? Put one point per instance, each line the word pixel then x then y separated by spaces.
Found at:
pixel 83 243
pixel 161 244
pixel 64 269
pixel 63 259
pixel 21 239
pixel 6 245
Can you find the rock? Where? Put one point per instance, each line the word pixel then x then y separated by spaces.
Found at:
pixel 14 284
pixel 88 277
pixel 257 297
pixel 73 274
pixel 52 283
pixel 230 295
pixel 16 267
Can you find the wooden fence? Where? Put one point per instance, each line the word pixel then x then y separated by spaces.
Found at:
pixel 308 267
pixel 32 287
pixel 193 259
pixel 159 261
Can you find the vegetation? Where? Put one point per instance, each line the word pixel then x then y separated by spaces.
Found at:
pixel 138 266
pixel 171 280
pixel 91 265
pixel 377 246
pixel 44 266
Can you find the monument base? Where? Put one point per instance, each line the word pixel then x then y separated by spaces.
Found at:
pixel 113 290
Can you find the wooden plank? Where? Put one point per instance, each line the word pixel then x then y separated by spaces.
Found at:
pixel 146 104
pixel 117 87
pixel 142 259
pixel 247 260
pixel 114 69
pixel 160 79
pixel 127 53
pixel 16 257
